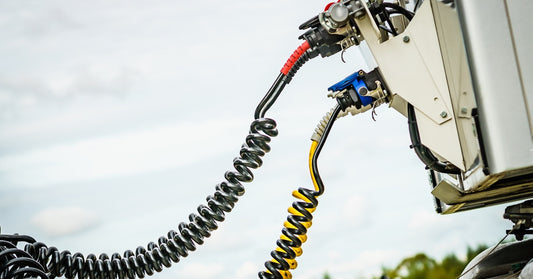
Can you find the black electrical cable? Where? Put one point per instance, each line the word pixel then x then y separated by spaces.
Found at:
pixel 386 15
pixel 423 152
pixel 448 1
pixel 397 8
pixel 417 5
pixel 384 10
pixel 321 142
pixel 388 30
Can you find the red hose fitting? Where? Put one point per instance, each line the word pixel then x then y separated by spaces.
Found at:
pixel 329 5
pixel 294 57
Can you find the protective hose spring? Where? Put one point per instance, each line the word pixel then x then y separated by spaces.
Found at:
pixel 296 55
pixel 321 126
pixel 306 56
pixel 176 244
pixel 293 236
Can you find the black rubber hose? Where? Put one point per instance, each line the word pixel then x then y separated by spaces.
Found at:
pixel 321 142
pixel 279 84
pixel 408 14
pixel 260 109
pixel 176 244
pixel 16 263
pixel 423 152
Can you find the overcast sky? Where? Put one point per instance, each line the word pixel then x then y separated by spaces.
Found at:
pixel 118 118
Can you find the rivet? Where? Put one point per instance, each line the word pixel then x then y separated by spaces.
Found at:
pixel 443 114
pixel 406 39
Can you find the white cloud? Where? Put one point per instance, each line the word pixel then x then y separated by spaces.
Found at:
pixel 141 151
pixel 61 221
pixel 366 263
pixel 355 210
pixel 374 259
pixel 201 271
pixel 422 221
pixel 97 79
pixel 247 270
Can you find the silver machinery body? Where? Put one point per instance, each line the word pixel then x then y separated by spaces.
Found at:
pixel 497 43
pixel 467 69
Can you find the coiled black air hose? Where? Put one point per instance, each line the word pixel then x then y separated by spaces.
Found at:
pixel 49 261
pixel 16 263
pixel 176 244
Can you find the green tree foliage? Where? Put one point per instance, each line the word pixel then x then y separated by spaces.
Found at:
pixel 473 252
pixel 421 266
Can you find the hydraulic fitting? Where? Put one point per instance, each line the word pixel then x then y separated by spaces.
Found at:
pixel 334 29
pixel 360 90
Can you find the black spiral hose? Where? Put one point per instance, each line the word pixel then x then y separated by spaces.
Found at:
pixel 169 248
pixel 176 244
pixel 16 263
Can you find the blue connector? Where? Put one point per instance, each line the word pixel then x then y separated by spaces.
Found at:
pixel 355 80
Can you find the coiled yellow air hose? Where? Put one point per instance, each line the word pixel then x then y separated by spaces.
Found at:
pixel 300 218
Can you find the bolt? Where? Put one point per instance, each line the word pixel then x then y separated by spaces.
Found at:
pixel 406 39
pixel 464 110
pixel 443 114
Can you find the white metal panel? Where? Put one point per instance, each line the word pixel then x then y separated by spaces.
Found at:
pixel 522 34
pixel 505 122
pixel 458 77
pixel 414 71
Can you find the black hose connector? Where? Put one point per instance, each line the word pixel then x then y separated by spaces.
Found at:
pixel 322 41
pixel 348 99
